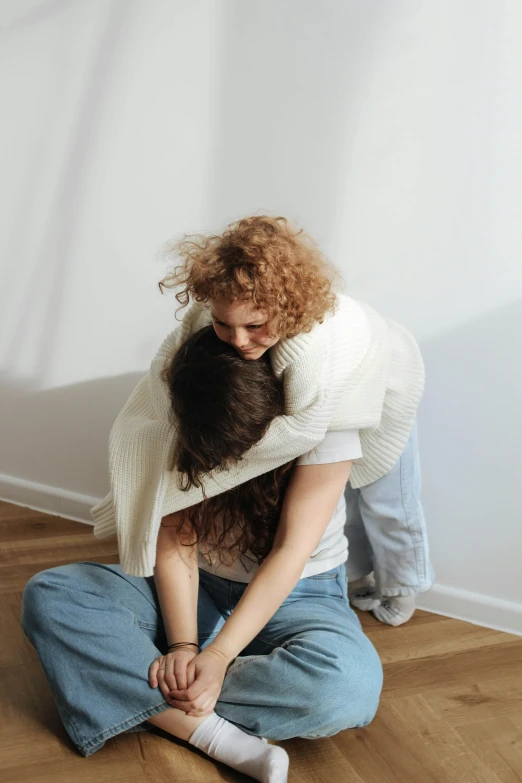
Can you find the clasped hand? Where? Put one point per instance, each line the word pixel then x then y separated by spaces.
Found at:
pixel 190 681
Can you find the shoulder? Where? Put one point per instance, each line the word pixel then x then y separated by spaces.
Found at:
pixel 335 447
pixel 346 333
pixel 196 317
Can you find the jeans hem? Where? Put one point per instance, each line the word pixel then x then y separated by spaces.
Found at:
pixel 88 748
pixel 360 575
pixel 396 592
pixel 404 592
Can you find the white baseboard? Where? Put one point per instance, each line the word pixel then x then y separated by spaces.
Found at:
pixel 448 601
pixel 473 608
pixel 51 500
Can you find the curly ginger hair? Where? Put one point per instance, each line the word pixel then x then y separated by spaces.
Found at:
pixel 259 258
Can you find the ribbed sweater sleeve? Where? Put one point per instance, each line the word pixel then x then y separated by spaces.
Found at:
pixel 335 377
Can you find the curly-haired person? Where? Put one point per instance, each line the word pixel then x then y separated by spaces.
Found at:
pixel 352 382
pixel 265 282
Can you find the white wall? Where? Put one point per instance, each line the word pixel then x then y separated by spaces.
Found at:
pixel 390 131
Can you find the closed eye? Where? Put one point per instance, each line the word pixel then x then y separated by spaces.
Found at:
pixel 250 326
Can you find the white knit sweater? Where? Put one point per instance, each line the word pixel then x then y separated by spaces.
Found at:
pixel 356 370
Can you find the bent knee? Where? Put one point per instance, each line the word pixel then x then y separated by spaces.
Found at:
pixel 51 577
pixel 39 592
pixel 352 697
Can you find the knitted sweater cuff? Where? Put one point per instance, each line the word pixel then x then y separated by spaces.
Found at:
pixel 103 516
pixel 137 562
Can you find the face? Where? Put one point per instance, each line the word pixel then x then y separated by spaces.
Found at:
pixel 239 324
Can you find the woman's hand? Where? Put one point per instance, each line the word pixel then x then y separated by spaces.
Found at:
pixel 171 672
pixel 205 674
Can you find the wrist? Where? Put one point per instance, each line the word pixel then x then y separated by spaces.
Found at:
pixel 221 652
pixel 186 642
pixel 185 653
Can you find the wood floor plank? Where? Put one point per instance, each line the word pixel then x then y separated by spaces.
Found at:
pixel 432 640
pixel 451 710
pixel 410 677
pixel 40 526
pixel 27 705
pixel 58 550
pixel 371 752
pixel 9 511
pixel 13 643
pixel 498 743
pixel 320 762
pixel 471 702
pixel 427 737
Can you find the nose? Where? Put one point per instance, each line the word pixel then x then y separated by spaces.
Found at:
pixel 239 339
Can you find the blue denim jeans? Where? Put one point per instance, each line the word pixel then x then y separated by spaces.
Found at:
pixel 386 529
pixel 310 672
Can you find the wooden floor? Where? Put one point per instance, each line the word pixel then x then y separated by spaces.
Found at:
pixel 451 710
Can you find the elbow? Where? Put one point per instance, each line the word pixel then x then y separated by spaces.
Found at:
pixel 175 545
pixel 174 534
pixel 294 559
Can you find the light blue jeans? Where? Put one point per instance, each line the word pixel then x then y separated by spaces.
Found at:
pixel 310 672
pixel 386 529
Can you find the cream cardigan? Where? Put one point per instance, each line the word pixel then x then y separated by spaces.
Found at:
pixel 356 370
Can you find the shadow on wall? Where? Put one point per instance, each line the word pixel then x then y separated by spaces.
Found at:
pixel 59 437
pixel 48 268
pixel 300 77
pixel 471 445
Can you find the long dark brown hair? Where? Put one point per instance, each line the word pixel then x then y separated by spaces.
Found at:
pixel 222 406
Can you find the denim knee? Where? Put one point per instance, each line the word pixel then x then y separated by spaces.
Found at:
pixel 349 698
pixel 36 599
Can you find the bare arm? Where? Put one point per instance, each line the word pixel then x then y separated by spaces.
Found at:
pixel 309 503
pixel 177 579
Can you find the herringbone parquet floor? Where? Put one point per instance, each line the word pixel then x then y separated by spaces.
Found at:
pixel 451 710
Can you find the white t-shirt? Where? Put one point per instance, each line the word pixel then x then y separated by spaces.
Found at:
pixel 332 549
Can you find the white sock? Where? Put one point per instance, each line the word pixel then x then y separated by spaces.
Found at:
pixel 395 611
pixel 363 594
pixel 253 756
